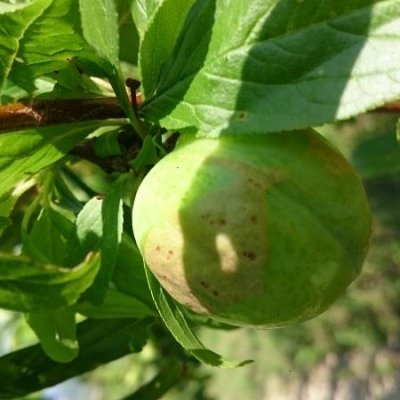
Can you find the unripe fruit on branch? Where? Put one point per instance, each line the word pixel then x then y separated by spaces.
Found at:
pixel 262 231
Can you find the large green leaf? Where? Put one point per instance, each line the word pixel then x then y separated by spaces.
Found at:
pixel 159 40
pixel 100 341
pixel 270 65
pixel 39 39
pixel 27 152
pixel 26 285
pixel 13 24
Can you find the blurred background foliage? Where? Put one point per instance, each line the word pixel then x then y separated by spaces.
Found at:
pixel 351 352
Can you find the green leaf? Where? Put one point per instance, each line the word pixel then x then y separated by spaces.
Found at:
pixel 100 27
pixel 115 305
pixel 27 285
pixel 13 25
pixel 129 276
pixel 100 341
pixel 147 155
pixel 8 201
pixel 176 322
pixel 98 228
pixel 47 239
pixel 159 40
pixel 27 152
pixel 112 224
pixel 57 333
pixel 39 39
pixel 108 145
pixel 142 11
pixel 278 65
pixel 87 234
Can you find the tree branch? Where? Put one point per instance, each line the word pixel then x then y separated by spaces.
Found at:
pixel 38 113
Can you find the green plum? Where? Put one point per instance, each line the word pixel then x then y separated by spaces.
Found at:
pixel 257 230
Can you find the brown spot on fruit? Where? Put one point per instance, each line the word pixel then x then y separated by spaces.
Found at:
pixel 250 255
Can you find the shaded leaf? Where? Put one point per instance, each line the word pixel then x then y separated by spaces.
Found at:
pixel 129 274
pixel 377 156
pixel 27 152
pixel 57 333
pixel 47 239
pixel 100 341
pixel 115 305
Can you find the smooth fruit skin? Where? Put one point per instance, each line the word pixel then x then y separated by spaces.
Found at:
pixel 264 231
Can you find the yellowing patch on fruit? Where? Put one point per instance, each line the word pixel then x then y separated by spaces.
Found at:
pixel 263 231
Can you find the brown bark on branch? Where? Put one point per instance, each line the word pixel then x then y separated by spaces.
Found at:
pixel 38 113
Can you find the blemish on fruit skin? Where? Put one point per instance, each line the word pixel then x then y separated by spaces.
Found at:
pixel 170 254
pixel 204 284
pixel 215 293
pixel 250 255
pixel 254 219
pixel 158 248
pixel 241 116
pixel 254 183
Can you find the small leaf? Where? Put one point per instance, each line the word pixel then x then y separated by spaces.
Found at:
pixel 98 228
pixel 27 285
pixel 87 234
pixel 57 333
pixel 159 40
pixel 100 341
pixel 175 321
pixel 27 152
